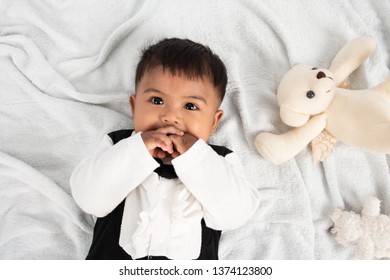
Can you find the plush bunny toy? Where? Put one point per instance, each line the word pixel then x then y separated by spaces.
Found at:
pixel 370 231
pixel 315 103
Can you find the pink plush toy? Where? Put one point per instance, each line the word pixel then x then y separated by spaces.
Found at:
pixel 370 231
pixel 313 101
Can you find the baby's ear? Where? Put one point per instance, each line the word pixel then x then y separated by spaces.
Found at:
pixel 132 103
pixel 217 118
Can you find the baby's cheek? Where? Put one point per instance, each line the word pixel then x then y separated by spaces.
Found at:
pixel 200 130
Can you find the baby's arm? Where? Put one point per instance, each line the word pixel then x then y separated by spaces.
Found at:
pixel 219 184
pixel 101 182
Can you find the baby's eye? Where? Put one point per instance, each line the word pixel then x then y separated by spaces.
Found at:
pixel 157 100
pixel 191 106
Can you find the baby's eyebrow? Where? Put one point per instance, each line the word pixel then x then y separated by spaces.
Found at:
pixel 153 90
pixel 197 97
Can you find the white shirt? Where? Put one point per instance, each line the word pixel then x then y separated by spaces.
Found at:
pixel 162 217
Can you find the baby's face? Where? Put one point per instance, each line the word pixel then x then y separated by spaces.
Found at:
pixel 165 100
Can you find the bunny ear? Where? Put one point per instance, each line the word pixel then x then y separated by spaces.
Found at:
pixel 371 207
pixel 336 215
pixel 293 118
pixel 350 57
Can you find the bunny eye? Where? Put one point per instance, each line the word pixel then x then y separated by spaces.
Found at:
pixel 310 94
pixel 314 68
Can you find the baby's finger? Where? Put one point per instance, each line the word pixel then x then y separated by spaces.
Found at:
pixel 166 143
pixel 175 154
pixel 178 143
pixel 158 153
pixel 170 130
pixel 158 140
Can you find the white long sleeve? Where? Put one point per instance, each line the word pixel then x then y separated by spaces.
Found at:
pixel 219 184
pixel 101 182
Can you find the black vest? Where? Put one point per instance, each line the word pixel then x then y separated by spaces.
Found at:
pixel 105 242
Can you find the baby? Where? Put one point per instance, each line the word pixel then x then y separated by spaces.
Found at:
pixel 159 190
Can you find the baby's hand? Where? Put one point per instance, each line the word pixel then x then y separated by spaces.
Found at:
pixel 182 143
pixel 159 143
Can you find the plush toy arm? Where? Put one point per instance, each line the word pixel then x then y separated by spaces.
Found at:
pixel 322 146
pixel 350 57
pixel 371 207
pixel 280 148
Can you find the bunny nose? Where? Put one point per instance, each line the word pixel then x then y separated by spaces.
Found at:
pixel 321 75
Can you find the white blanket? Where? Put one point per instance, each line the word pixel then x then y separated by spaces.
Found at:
pixel 66 73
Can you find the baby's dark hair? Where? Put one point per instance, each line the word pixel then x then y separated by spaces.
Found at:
pixel 184 57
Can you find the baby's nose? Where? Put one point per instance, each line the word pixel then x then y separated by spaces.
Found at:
pixel 170 115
